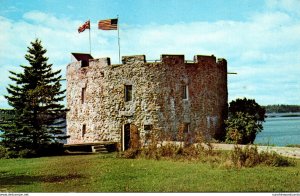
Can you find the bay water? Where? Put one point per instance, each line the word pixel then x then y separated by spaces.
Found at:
pixel 280 131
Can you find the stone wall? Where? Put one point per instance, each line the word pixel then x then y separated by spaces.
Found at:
pixel 157 90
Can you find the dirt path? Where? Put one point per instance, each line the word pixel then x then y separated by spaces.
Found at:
pixel 284 151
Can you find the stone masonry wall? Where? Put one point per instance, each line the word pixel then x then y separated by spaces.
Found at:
pixel 157 97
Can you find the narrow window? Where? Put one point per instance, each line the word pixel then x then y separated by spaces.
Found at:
pixel 185 92
pixel 83 95
pixel 83 130
pixel 147 127
pixel 128 92
pixel 186 128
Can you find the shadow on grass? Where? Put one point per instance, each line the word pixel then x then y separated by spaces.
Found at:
pixel 27 179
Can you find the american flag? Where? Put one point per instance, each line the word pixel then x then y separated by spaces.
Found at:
pixel 85 26
pixel 109 24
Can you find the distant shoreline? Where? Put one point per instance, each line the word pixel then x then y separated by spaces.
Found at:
pixel 274 115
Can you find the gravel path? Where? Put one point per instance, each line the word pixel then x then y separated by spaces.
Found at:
pixel 284 151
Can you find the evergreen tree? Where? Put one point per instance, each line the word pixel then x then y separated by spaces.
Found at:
pixel 35 98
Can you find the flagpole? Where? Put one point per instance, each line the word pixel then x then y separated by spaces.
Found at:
pixel 90 38
pixel 119 39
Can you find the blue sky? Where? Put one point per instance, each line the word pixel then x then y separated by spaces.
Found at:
pixel 260 39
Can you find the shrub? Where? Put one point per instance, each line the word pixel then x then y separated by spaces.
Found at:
pixel 131 153
pixel 27 153
pixel 3 152
pixel 169 150
pixel 249 157
pixel 51 149
pixel 192 152
pixel 12 154
pixel 276 160
pixel 185 149
pixel 151 150
pixel 150 153
pixel 241 128
pixel 245 157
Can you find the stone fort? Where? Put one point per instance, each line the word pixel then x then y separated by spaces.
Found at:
pixel 112 102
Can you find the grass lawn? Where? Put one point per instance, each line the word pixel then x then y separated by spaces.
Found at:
pixel 105 173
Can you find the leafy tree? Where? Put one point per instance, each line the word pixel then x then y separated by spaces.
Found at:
pixel 248 106
pixel 245 121
pixel 35 98
pixel 242 128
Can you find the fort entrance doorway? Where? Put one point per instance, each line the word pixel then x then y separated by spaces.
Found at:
pixel 130 137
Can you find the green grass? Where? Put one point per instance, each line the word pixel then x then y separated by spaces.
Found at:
pixel 105 173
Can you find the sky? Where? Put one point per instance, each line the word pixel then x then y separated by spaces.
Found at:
pixel 259 39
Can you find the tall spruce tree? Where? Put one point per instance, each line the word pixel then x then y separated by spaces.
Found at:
pixel 36 99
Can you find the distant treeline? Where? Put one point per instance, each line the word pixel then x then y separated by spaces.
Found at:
pixel 282 108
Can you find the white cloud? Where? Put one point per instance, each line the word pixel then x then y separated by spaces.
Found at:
pixel 264 50
pixel 291 6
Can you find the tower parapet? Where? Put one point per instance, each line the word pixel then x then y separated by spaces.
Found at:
pixel 204 59
pixel 172 59
pixel 133 58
